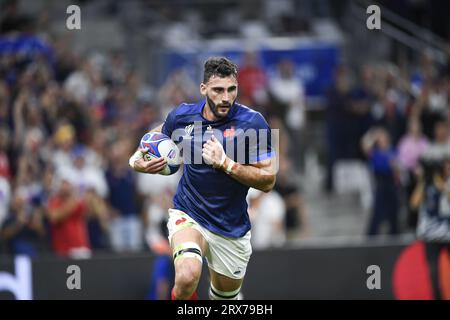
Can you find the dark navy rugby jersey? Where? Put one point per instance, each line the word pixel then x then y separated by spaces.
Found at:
pixel 211 197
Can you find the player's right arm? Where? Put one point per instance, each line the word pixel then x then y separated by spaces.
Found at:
pixel 137 161
pixel 139 164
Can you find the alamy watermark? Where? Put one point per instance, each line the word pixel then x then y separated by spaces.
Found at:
pixel 374 280
pixel 244 146
pixel 374 20
pixel 74 280
pixel 73 22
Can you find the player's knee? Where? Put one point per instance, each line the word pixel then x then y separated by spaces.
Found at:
pixel 188 264
pixel 187 275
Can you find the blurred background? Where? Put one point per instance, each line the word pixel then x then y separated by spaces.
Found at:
pixel 356 109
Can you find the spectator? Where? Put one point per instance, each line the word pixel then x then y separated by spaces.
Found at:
pixel 5 194
pixel 67 216
pixel 338 100
pixel 79 84
pixel 86 176
pixel 288 89
pixel 252 81
pixel 117 72
pixel 424 72
pixel 431 106
pixel 95 153
pixel 411 147
pixel 5 169
pixel 267 213
pixel 440 144
pixel 126 225
pixel 377 146
pixel 24 228
pixel 6 119
pixel 64 140
pixel 97 220
pixel 359 110
pixel 159 200
pixel 11 20
pixel 29 179
pixel 177 88
pixel 163 274
pixel 296 220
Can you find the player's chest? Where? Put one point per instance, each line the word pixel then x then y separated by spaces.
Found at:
pixel 200 132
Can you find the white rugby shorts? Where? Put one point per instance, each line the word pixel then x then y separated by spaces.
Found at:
pixel 226 256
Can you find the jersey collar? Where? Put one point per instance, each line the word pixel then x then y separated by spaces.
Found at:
pixel 202 103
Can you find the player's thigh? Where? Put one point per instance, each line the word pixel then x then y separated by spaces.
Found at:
pixel 224 283
pixel 183 229
pixel 188 247
pixel 187 243
pixel 187 235
pixel 228 258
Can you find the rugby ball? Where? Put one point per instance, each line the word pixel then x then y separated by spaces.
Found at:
pixel 160 145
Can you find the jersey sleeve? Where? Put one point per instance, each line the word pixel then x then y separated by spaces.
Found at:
pixel 261 149
pixel 169 123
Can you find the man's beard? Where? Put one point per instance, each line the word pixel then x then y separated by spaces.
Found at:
pixel 213 107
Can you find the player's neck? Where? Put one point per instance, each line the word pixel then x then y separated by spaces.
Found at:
pixel 208 114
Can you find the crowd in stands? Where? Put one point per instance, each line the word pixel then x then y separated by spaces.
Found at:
pixel 69 122
pixel 389 117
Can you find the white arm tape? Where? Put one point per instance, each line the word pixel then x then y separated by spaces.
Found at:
pixel 136 156
pixel 230 166
pixel 224 156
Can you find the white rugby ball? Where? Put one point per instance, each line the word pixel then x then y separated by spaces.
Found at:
pixel 160 145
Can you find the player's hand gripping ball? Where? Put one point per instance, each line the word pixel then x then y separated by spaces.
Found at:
pixel 159 145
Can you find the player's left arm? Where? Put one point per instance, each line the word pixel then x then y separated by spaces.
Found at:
pixel 260 175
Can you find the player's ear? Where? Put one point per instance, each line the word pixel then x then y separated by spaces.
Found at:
pixel 203 89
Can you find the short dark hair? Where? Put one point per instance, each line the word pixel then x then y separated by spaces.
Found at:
pixel 219 66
